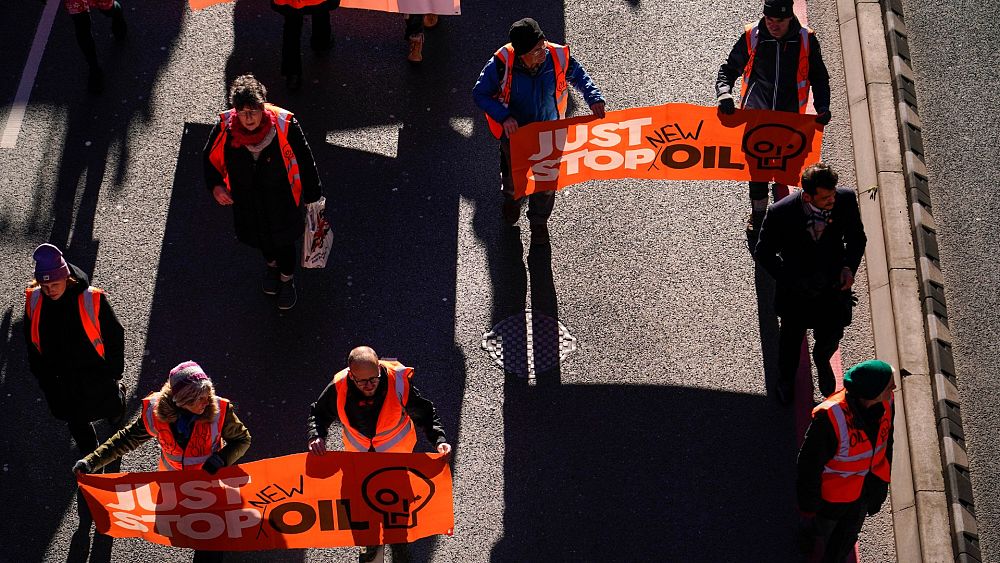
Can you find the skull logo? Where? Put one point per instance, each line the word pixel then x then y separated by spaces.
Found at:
pixel 397 493
pixel 772 145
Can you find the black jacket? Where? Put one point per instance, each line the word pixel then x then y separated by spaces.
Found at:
pixel 363 412
pixel 807 272
pixel 264 211
pixel 776 62
pixel 76 381
pixel 819 447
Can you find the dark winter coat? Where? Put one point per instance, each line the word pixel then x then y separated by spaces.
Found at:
pixel 808 271
pixel 264 212
pixel 772 83
pixel 77 383
pixel 819 447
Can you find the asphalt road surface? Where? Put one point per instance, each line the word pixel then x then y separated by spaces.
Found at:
pixel 952 45
pixel 655 440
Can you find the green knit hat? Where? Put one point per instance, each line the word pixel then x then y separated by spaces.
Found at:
pixel 868 379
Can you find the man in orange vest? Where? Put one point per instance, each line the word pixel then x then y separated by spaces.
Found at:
pixel 524 82
pixel 844 463
pixel 377 408
pixel 779 60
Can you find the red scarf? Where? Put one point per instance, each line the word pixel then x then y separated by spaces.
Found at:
pixel 241 136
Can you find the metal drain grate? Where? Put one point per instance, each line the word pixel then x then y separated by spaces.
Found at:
pixel 528 344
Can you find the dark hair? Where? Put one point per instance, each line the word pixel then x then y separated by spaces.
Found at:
pixel 247 91
pixel 819 175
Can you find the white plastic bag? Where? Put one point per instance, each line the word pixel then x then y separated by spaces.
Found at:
pixel 317 238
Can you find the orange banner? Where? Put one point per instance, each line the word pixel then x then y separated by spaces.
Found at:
pixel 668 142
pixel 442 7
pixel 296 501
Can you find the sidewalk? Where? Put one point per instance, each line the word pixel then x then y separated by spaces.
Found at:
pixel 909 318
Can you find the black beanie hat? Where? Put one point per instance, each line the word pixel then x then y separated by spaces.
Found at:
pixel 778 8
pixel 868 379
pixel 524 35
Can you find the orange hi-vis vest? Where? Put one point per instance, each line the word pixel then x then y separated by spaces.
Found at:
pixel 394 430
pixel 205 440
pixel 282 119
pixel 89 303
pixel 298 4
pixel 801 74
pixel 844 475
pixel 560 60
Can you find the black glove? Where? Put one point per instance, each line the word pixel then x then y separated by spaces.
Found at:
pixel 213 464
pixel 726 105
pixel 824 117
pixel 81 467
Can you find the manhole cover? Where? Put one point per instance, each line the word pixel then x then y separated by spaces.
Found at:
pixel 528 344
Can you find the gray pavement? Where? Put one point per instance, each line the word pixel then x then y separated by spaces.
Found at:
pixel 656 441
pixel 952 47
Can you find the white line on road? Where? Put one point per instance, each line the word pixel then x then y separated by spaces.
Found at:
pixel 16 115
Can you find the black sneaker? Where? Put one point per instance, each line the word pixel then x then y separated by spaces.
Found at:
pixel 272 281
pixel 287 295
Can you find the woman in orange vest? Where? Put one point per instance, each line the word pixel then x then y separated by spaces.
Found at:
pixel 76 347
pixel 195 429
pixel 258 161
pixel 844 463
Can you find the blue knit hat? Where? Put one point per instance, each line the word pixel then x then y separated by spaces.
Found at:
pixel 49 264
pixel 868 379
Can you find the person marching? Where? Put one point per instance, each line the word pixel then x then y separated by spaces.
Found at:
pixel 377 407
pixel 76 347
pixel 780 60
pixel 195 429
pixel 811 243
pixel 79 12
pixel 414 34
pixel 294 13
pixel 258 161
pixel 844 463
pixel 524 82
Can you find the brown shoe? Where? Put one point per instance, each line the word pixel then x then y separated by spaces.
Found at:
pixel 430 20
pixel 416 48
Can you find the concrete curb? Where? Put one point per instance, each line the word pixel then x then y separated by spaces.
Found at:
pixel 933 514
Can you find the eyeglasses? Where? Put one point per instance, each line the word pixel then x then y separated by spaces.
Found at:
pixel 250 113
pixel 537 51
pixel 365 382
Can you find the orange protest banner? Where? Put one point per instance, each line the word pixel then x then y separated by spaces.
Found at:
pixel 296 501
pixel 199 4
pixel 442 7
pixel 668 142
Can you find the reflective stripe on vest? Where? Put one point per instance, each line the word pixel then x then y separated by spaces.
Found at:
pixel 281 118
pixel 751 32
pixel 298 4
pixel 394 431
pixel 844 475
pixel 89 305
pixel 205 440
pixel 560 64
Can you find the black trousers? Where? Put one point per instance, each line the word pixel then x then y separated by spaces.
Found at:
pixel 285 257
pixel 827 334
pixel 840 535
pixel 84 37
pixel 540 204
pixel 291 40
pixel 414 25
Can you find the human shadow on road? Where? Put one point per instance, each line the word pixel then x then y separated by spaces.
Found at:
pixel 768 322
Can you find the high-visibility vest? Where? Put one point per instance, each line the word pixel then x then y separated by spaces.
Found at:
pixel 205 440
pixel 844 475
pixel 560 61
pixel 394 430
pixel 282 120
pixel 89 304
pixel 298 4
pixel 801 74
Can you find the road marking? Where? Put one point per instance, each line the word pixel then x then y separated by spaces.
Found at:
pixel 13 126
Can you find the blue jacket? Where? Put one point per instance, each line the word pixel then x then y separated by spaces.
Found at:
pixel 532 96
